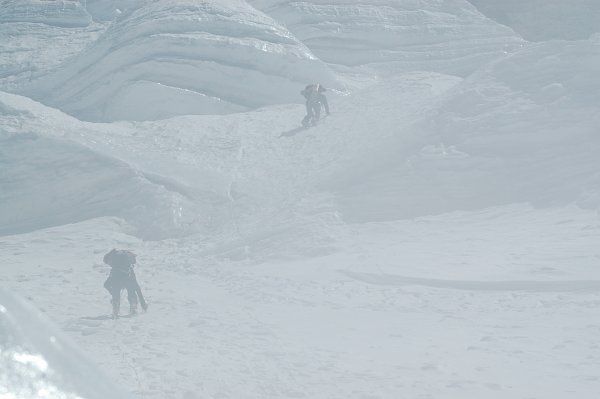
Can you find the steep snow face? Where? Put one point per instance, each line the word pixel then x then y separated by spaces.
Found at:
pixel 539 20
pixel 36 36
pixel 447 36
pixel 523 129
pixel 183 57
pixel 37 361
pixel 64 13
pixel 244 174
pixel 49 180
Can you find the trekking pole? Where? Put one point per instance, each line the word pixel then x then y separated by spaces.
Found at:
pixel 138 291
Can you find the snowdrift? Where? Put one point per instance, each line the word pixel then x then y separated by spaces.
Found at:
pixel 444 36
pixel 517 130
pixel 540 20
pixel 183 57
pixel 48 182
pixel 523 129
pixel 48 179
pixel 37 360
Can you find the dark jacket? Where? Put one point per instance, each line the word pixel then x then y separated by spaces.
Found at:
pixel 121 275
pixel 315 97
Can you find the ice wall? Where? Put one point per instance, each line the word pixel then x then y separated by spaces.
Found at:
pixel 183 57
pixel 37 36
pixel 47 179
pixel 63 13
pixel 445 36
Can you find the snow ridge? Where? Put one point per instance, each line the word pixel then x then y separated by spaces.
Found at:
pixel 60 182
pixel 170 58
pixel 447 36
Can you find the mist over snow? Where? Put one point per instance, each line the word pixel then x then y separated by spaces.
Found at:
pixel 435 236
pixel 540 20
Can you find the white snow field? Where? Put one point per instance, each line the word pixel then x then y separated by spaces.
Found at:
pixel 435 237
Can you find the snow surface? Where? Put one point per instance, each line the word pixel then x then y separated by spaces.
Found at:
pixel 174 57
pixel 38 361
pixel 436 236
pixel 540 20
pixel 107 10
pixel 64 13
pixel 32 48
pixel 445 36
pixel 522 129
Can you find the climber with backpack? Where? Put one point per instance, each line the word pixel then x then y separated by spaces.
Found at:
pixel 123 277
pixel 315 99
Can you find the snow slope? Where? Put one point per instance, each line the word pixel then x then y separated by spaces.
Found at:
pixel 421 157
pixel 232 171
pixel 179 57
pixel 522 129
pixel 443 36
pixel 58 182
pixel 50 180
pixel 491 304
pixel 436 236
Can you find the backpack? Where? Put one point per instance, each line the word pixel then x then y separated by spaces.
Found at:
pixel 120 258
pixel 308 91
